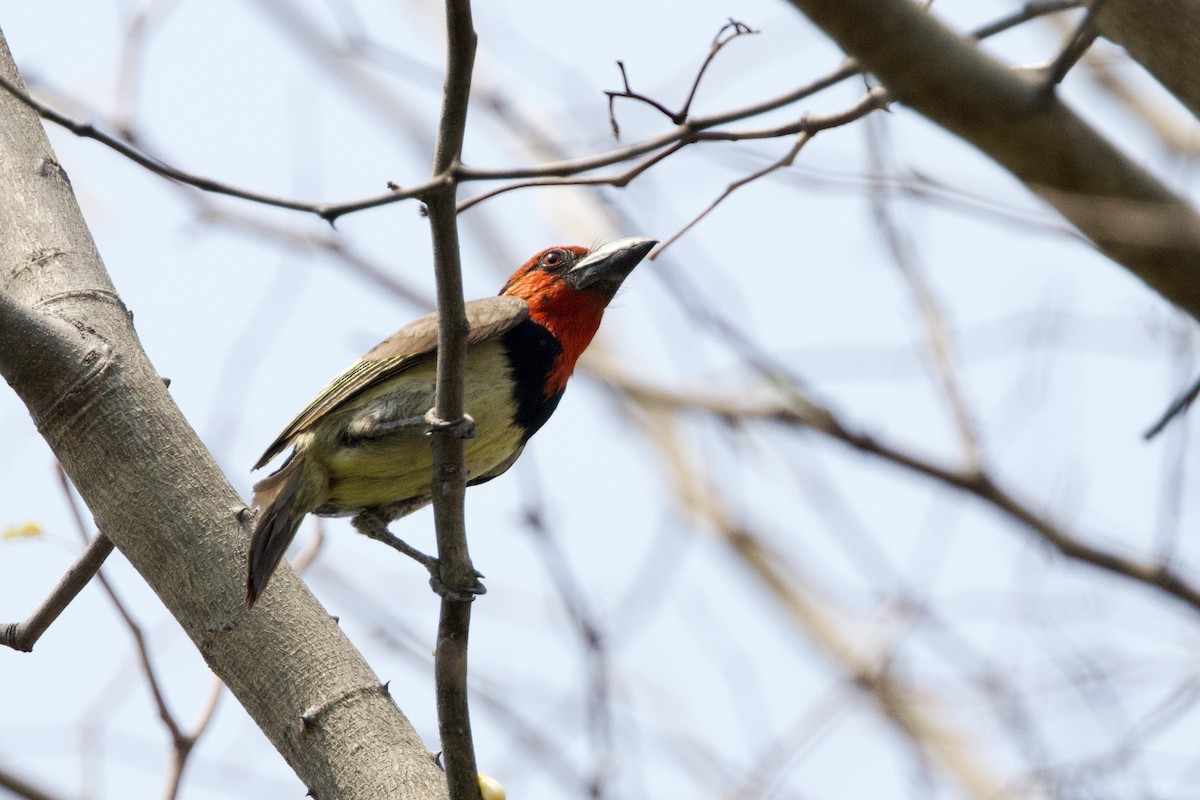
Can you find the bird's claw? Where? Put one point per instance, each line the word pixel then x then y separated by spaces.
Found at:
pixel 461 428
pixel 462 595
pixel 373 527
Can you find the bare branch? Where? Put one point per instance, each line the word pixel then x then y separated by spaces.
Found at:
pixel 632 95
pixel 449 467
pixel 807 127
pixel 1032 9
pixel 1083 37
pixel 24 635
pixel 88 131
pixel 874 99
pixel 1177 407
pixel 685 133
pixel 1057 154
pixel 727 33
pixel 618 180
pixel 913 713
pixel 848 69
pixel 70 353
pixel 798 410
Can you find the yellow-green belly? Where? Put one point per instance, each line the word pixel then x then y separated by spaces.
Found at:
pixel 364 472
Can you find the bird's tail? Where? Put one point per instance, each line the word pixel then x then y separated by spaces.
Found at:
pixel 283 498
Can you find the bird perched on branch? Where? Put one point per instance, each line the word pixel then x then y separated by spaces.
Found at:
pixel 361 447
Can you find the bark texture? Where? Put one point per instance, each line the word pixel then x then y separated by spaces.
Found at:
pixel 70 351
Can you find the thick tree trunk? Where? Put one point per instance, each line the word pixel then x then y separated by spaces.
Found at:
pixel 69 350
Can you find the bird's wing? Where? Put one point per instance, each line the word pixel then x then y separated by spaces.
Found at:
pixel 412 344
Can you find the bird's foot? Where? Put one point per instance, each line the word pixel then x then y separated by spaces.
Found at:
pixel 462 595
pixel 374 527
pixel 462 428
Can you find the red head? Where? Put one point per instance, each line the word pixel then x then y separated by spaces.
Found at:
pixel 568 288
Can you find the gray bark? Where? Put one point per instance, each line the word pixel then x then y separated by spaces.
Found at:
pixel 70 351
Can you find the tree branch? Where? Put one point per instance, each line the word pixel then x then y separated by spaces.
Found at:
pixel 1081 40
pixel 1131 216
pixel 540 175
pixel 1160 35
pixel 86 130
pixel 24 635
pixel 809 126
pixel 73 357
pixel 449 477
pixel 804 412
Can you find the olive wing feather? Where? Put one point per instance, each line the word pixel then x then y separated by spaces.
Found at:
pixel 415 343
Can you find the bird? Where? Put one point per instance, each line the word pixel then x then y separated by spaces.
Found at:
pixel 360 447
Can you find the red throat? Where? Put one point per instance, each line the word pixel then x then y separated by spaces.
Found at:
pixel 572 317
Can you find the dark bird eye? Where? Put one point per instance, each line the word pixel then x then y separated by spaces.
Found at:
pixel 553 259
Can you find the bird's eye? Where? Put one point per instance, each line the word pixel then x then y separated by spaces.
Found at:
pixel 553 259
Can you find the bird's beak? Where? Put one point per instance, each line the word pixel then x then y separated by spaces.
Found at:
pixel 605 268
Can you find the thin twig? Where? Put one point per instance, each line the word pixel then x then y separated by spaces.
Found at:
pixel 694 127
pixel 1177 407
pixel 807 127
pixel 727 33
pixel 876 98
pixel 449 468
pixel 527 175
pixel 1176 132
pixel 182 752
pixel 24 635
pixel 632 95
pixel 617 180
pixel 1085 34
pixel 88 131
pixel 1031 10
